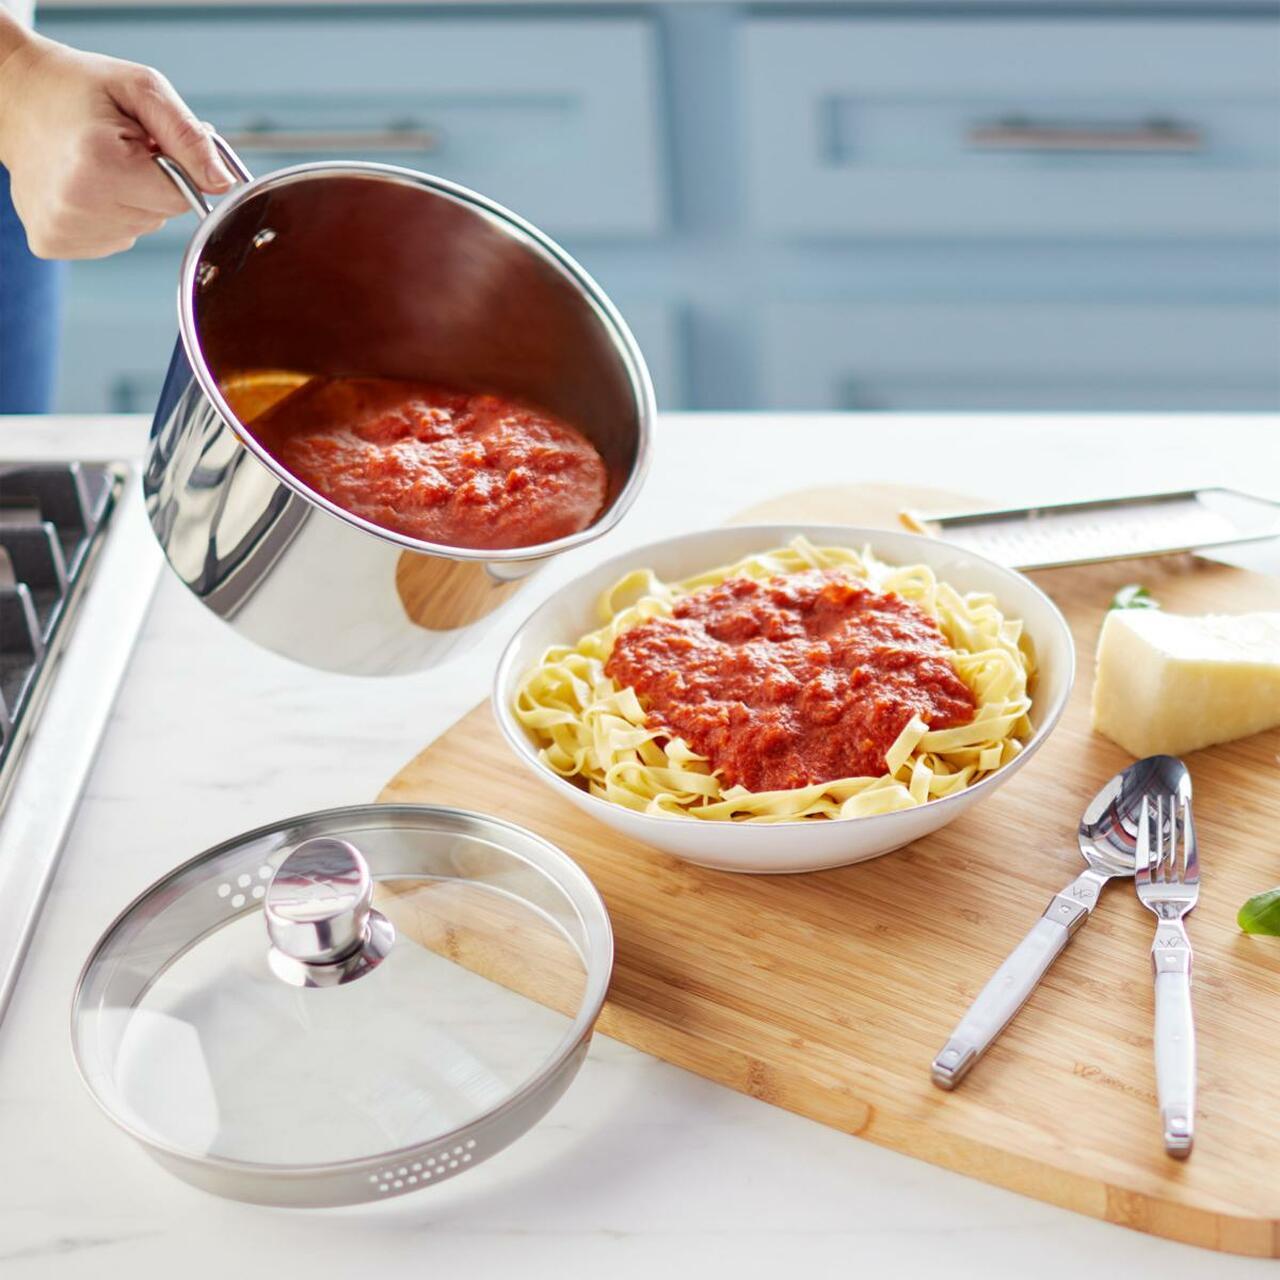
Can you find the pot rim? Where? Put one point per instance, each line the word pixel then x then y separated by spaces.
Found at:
pixel 538 241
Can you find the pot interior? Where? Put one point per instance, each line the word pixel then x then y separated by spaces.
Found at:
pixel 364 271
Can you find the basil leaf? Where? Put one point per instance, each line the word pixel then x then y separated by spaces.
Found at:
pixel 1133 596
pixel 1261 914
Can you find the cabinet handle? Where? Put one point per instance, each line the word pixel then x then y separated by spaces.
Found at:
pixel 266 137
pixel 1017 134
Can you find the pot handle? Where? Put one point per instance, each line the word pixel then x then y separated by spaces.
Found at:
pixel 182 180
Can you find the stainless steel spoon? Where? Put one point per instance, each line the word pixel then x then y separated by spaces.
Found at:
pixel 1108 836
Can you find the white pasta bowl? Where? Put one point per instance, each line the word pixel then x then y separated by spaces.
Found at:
pixel 813 843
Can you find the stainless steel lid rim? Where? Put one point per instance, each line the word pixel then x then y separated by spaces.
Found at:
pixel 392 1174
pixel 361 1177
pixel 464 196
pixel 541 1090
pixel 319 818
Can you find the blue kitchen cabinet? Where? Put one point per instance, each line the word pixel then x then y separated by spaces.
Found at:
pixel 119 329
pixel 1072 128
pixel 1011 207
pixel 1048 357
pixel 1068 212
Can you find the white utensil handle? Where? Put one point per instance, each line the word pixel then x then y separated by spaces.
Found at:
pixel 1008 988
pixel 1175 1038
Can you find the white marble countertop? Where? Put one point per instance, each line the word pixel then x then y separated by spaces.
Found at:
pixel 642 1169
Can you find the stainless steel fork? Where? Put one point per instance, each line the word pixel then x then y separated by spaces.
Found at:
pixel 1168 881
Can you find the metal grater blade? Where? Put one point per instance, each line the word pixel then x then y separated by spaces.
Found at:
pixel 1073 533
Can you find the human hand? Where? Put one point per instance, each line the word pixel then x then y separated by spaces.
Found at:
pixel 77 134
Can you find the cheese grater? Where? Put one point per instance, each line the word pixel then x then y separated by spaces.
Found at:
pixel 1071 533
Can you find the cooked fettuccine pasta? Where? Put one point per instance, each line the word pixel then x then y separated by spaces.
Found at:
pixel 803 682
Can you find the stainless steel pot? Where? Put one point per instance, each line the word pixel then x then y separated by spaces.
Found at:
pixel 349 268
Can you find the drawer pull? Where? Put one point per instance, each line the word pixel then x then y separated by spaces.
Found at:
pixel 1018 134
pixel 266 137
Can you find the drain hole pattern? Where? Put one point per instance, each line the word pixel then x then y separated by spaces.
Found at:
pixel 422 1171
pixel 234 890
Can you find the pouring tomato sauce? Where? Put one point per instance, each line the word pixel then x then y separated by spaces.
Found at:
pixel 800 679
pixel 456 468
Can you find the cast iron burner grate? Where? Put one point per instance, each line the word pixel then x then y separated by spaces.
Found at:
pixel 52 519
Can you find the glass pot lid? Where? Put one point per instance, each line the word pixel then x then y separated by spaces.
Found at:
pixel 345 1006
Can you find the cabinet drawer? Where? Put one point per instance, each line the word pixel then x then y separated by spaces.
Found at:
pixel 556 118
pixel 1054 128
pixel 119 327
pixel 1019 357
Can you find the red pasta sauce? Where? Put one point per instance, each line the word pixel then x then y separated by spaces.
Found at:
pixel 795 680
pixel 450 467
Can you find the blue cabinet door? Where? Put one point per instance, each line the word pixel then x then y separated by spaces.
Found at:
pixel 1063 127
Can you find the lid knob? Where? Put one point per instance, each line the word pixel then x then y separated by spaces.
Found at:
pixel 318 902
pixel 319 914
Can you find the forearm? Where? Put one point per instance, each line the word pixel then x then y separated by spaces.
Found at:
pixel 17 45
pixel 13 37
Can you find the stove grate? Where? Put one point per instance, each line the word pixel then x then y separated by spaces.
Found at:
pixel 52 517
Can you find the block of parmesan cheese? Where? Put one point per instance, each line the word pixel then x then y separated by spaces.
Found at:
pixel 1167 684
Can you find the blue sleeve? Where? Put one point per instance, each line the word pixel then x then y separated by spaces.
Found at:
pixel 29 314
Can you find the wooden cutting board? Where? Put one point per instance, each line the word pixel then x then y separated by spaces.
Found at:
pixel 829 993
